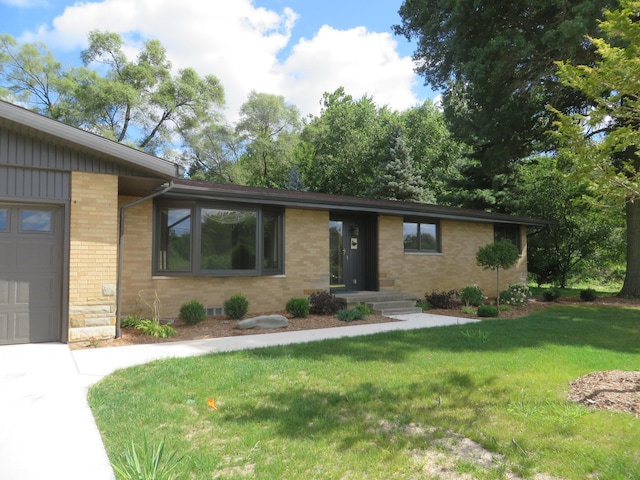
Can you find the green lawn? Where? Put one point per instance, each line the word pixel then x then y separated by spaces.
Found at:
pixel 363 408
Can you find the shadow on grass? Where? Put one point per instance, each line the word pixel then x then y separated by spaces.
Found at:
pixel 371 414
pixel 615 329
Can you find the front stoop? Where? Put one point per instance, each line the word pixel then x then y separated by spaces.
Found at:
pixel 382 303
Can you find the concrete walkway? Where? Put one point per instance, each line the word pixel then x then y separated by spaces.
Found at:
pixel 47 430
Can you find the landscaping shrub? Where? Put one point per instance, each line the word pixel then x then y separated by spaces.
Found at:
pixel 350 314
pixel 151 327
pixel 298 307
pixel 487 311
pixel 192 312
pixel 468 310
pixel 588 295
pixel 323 303
pixel 551 295
pixel 516 295
pixel 131 321
pixel 236 307
pixel 471 296
pixel 441 299
pixel 365 309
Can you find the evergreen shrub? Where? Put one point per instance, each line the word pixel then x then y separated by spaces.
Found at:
pixel 236 306
pixel 298 307
pixel 192 312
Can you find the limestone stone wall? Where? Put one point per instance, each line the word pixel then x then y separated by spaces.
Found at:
pixel 93 256
pixel 306 268
pixel 454 267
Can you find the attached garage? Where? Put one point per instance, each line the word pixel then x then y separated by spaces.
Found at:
pixel 61 190
pixel 31 273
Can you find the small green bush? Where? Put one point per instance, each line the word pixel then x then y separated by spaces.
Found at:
pixel 365 309
pixel 423 304
pixel 151 327
pixel 516 295
pixel 192 312
pixel 468 310
pixel 131 321
pixel 350 314
pixel 438 299
pixel 471 296
pixel 236 307
pixel 323 303
pixel 551 295
pixel 487 311
pixel 298 307
pixel 588 295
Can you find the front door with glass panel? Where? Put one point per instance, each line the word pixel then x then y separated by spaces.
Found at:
pixel 345 251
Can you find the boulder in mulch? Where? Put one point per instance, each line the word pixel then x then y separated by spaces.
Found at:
pixel 263 322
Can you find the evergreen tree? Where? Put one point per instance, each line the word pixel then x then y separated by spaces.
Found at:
pixel 400 178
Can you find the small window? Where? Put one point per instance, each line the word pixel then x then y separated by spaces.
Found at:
pixel 507 232
pixel 421 237
pixel 36 221
pixel 4 220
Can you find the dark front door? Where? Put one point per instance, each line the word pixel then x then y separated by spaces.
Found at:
pixel 347 254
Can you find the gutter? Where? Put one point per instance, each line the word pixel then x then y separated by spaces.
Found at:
pixel 121 252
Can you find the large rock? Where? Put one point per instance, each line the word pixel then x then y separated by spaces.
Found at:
pixel 263 322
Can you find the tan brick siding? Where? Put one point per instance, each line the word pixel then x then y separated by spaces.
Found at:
pixel 453 268
pixel 306 268
pixel 93 252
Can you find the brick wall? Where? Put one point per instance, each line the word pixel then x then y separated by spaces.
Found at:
pixel 93 256
pixel 306 268
pixel 453 268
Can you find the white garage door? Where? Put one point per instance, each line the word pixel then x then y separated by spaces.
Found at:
pixel 31 248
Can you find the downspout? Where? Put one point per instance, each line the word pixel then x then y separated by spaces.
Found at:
pixel 121 251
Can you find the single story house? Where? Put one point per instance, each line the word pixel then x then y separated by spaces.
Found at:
pixel 92 230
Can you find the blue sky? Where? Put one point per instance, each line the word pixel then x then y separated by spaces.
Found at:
pixel 295 48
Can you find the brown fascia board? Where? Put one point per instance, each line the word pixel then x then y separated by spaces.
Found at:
pixel 292 198
pixel 34 123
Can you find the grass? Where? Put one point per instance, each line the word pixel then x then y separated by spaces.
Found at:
pixel 376 406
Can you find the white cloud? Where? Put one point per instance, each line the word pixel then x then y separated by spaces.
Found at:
pixel 240 43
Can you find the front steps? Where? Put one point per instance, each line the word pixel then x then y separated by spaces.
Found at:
pixel 382 303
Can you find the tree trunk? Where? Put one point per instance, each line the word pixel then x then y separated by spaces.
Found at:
pixel 631 287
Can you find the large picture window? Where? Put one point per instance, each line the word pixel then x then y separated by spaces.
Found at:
pixel 203 239
pixel 421 236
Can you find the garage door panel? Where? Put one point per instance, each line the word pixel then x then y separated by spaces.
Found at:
pixel 37 292
pixel 37 256
pixel 4 327
pixel 31 275
pixel 4 291
pixel 7 254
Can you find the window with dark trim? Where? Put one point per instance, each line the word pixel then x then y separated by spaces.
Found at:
pixel 507 232
pixel 421 236
pixel 217 239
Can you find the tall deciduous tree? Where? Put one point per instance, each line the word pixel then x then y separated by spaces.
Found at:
pixel 142 103
pixel 345 145
pixel 269 129
pixel 602 143
pixel 495 63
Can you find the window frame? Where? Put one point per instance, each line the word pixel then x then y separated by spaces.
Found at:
pixel 196 207
pixel 419 222
pixel 501 232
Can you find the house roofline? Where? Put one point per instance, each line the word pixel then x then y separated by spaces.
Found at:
pixel 322 201
pixel 31 121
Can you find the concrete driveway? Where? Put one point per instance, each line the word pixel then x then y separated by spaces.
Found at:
pixel 47 430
